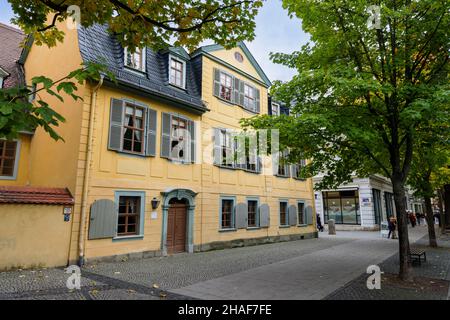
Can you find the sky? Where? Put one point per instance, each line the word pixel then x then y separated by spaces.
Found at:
pixel 275 32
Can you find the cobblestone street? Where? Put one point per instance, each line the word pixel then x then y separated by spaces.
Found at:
pixel 328 267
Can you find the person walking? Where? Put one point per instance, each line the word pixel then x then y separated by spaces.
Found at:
pixel 412 218
pixel 418 218
pixel 319 223
pixel 392 225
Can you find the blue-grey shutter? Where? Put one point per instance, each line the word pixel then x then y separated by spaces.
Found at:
pixel 258 164
pixel 309 215
pixel 241 216
pixel 264 215
pixel 292 215
pixel 151 132
pixel 257 100
pixel 103 220
pixel 217 147
pixel 116 125
pixel 236 90
pixel 216 82
pixel 294 171
pixel 241 93
pixel 166 124
pixel 191 127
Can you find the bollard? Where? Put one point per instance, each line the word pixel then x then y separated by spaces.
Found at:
pixel 331 227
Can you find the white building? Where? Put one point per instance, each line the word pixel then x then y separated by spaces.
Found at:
pixel 360 205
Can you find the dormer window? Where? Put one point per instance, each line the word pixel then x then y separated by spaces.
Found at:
pixel 177 72
pixel 135 60
pixel 275 109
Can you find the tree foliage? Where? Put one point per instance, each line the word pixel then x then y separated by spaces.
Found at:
pixel 362 95
pixel 23 109
pixel 151 23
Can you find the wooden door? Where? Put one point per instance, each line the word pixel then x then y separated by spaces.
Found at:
pixel 176 228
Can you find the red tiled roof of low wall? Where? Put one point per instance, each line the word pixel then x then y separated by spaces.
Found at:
pixel 35 195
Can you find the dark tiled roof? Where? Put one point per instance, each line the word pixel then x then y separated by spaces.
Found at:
pixel 32 195
pixel 10 49
pixel 97 44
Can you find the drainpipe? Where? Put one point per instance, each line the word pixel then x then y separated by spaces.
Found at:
pixel 87 166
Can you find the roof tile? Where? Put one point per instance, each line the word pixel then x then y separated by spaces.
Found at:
pixel 33 195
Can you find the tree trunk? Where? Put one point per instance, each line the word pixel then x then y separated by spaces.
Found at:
pixel 402 226
pixel 447 205
pixel 430 222
pixel 441 210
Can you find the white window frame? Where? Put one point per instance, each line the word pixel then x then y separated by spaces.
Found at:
pixel 278 112
pixel 248 88
pixel 227 142
pixel 226 75
pixel 1 82
pixel 16 162
pixel 143 55
pixel 183 76
pixel 186 140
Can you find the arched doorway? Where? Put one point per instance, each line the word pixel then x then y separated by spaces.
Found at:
pixel 178 221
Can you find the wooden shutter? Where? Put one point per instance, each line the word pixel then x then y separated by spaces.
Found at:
pixel 103 220
pixel 309 215
pixel 241 216
pixel 236 87
pixel 217 147
pixel 257 100
pixel 151 133
pixel 216 88
pixel 258 164
pixel 191 127
pixel 116 125
pixel 292 215
pixel 294 170
pixel 264 215
pixel 166 125
pixel 241 93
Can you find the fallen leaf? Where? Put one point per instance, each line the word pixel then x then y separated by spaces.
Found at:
pixel 155 286
pixel 117 272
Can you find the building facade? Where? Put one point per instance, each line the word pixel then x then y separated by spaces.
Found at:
pixel 150 156
pixel 360 205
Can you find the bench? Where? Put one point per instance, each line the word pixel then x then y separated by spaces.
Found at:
pixel 415 254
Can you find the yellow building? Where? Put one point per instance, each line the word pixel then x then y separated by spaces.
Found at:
pixel 149 158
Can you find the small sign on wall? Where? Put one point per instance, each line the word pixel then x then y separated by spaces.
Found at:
pixel 67 212
pixel 154 215
pixel 366 202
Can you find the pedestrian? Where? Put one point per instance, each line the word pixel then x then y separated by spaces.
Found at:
pixel 412 218
pixel 392 226
pixel 319 223
pixel 418 218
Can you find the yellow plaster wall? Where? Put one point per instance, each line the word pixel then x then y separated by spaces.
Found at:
pixel 33 236
pixel 228 56
pixel 54 163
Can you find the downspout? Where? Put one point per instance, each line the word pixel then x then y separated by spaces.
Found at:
pixel 90 138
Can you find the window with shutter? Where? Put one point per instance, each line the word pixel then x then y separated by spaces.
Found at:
pixel 253 213
pixel 132 128
pixel 283 213
pixel 296 170
pixel 178 139
pixel 283 166
pixel 227 213
pixel 301 213
pixel 130 213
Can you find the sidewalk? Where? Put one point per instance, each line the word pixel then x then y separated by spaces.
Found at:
pixel 430 280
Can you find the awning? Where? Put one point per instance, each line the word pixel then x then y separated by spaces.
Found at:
pixel 35 195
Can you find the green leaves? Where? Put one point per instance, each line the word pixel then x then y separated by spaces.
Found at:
pixel 18 113
pixel 150 23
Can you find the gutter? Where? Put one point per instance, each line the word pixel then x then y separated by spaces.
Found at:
pixel 86 176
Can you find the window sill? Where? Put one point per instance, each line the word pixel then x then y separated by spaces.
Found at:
pixel 302 225
pixel 225 167
pixel 228 230
pixel 285 226
pixel 127 238
pixel 299 179
pixel 7 178
pixel 228 102
pixel 177 87
pixel 280 176
pixel 253 228
pixel 135 71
